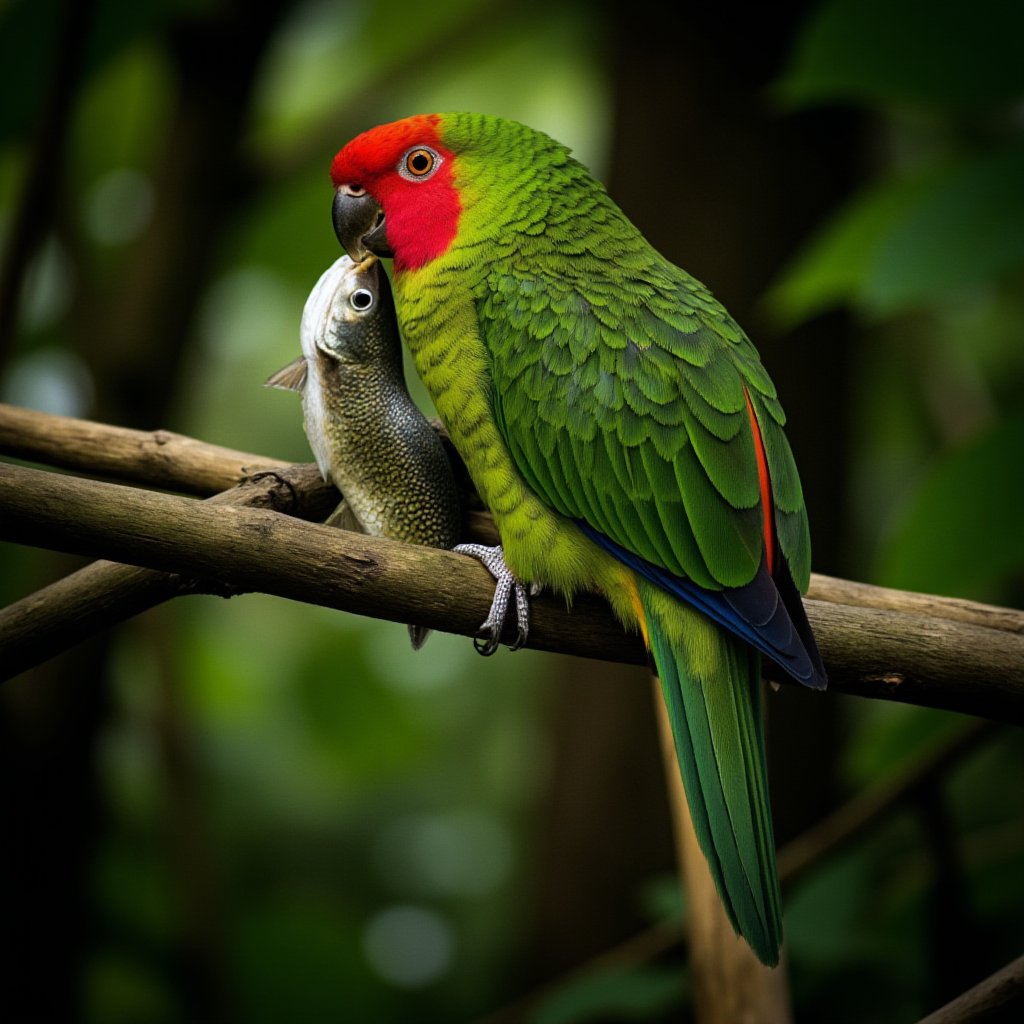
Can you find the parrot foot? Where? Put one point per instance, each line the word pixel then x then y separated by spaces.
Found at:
pixel 488 636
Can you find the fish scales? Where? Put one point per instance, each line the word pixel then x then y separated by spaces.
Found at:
pixel 367 435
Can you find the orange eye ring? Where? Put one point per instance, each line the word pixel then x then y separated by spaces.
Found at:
pixel 419 163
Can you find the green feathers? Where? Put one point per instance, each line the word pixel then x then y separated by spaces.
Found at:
pixel 629 412
pixel 712 687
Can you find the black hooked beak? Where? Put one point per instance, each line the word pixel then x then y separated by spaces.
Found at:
pixel 359 223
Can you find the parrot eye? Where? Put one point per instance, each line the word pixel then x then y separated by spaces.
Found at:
pixel 419 163
pixel 361 300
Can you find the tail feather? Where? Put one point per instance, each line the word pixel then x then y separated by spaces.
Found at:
pixel 712 688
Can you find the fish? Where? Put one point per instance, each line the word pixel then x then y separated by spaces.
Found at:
pixel 367 434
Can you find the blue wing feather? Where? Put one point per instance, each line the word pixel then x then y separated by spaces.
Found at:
pixel 767 612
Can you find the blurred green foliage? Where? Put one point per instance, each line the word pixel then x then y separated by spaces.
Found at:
pixel 346 830
pixel 930 254
pixel 879 53
pixel 929 257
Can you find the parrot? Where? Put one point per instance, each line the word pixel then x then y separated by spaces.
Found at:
pixel 623 432
pixel 367 435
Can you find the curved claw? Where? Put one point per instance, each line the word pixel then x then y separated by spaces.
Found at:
pixel 485 643
pixel 488 637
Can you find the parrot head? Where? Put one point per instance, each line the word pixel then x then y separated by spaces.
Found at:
pixel 395 194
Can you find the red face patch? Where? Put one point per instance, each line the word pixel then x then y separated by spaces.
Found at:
pixel 406 169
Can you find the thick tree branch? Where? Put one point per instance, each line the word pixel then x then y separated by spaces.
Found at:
pixel 154 458
pixel 162 459
pixel 174 462
pixel 260 550
pixel 99 596
pixel 102 594
pixel 901 655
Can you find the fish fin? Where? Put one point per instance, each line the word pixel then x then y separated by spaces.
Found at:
pixel 418 635
pixel 344 518
pixel 289 378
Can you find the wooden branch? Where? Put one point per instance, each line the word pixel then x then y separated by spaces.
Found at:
pixel 260 550
pixel 172 461
pixel 955 609
pixel 99 596
pixel 929 660
pixel 1001 991
pixel 907 656
pixel 104 593
pixel 160 458
pixel 154 458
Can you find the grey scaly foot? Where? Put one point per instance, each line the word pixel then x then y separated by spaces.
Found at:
pixel 488 636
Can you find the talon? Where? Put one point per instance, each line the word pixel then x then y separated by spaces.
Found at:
pixel 520 640
pixel 485 644
pixel 488 637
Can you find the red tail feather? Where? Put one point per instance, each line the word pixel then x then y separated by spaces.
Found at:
pixel 766 486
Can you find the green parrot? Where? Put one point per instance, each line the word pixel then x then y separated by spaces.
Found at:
pixel 620 427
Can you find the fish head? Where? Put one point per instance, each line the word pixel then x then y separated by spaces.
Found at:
pixel 350 316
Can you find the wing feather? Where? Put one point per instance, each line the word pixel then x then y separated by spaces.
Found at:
pixel 624 407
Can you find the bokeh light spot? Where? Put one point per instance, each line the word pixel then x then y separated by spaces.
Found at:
pixel 119 206
pixel 409 946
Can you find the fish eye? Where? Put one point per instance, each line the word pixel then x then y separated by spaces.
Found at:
pixel 419 163
pixel 361 300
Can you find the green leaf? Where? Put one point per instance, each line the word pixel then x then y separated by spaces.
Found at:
pixel 961 532
pixel 904 243
pixel 967 228
pixel 830 269
pixel 944 52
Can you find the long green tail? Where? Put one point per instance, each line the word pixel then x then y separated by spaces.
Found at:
pixel 712 686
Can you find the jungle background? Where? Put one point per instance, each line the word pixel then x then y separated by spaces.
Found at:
pixel 252 810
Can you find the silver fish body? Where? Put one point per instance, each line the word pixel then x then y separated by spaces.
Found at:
pixel 367 434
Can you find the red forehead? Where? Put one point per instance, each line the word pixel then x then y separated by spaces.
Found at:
pixel 377 151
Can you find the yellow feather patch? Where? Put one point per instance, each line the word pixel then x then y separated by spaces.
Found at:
pixel 638 607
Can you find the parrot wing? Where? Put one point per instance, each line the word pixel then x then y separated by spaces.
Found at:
pixel 642 411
